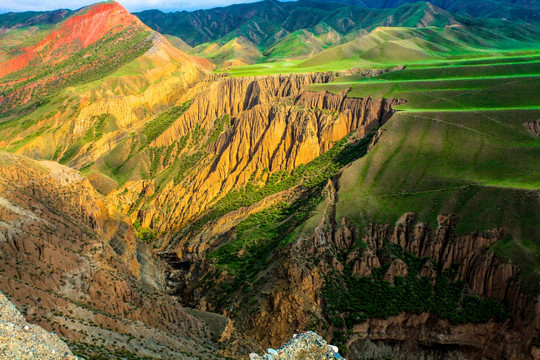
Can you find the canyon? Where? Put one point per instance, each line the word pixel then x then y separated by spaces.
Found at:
pixel 153 205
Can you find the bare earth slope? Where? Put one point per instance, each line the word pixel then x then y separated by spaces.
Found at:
pixel 76 268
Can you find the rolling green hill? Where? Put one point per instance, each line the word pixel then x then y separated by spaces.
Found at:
pixel 407 45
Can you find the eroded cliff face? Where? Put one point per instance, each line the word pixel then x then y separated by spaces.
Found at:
pixel 294 291
pixel 295 299
pixel 76 268
pixel 243 130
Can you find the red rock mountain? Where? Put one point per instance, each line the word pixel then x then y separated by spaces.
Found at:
pixel 83 29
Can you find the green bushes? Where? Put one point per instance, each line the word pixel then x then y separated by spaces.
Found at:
pixel 310 176
pixel 352 299
pixel 155 154
pixel 158 125
pixel 100 123
pixel 145 234
pixel 20 143
pixel 71 151
pixel 186 162
pixel 257 237
pixel 219 125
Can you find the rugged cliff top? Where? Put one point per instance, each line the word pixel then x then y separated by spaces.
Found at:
pixel 307 346
pixel 20 340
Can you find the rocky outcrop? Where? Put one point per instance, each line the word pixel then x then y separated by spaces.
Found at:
pixel 533 127
pixel 306 346
pixel 21 340
pixel 298 297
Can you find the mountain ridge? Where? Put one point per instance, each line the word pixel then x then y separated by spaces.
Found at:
pixel 296 30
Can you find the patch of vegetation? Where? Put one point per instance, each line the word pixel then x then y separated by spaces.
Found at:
pixel 90 351
pixel 71 151
pixel 20 143
pixel 350 300
pixel 85 168
pixel 147 235
pixel 219 125
pixel 197 134
pixel 184 163
pixel 257 238
pixel 102 123
pixel 156 160
pixel 158 125
pixel 94 133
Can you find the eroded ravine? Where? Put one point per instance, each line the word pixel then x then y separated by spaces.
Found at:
pixel 272 124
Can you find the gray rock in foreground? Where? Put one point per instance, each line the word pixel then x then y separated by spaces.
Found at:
pixel 21 340
pixel 306 346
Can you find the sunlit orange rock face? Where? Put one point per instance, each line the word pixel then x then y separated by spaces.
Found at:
pixel 276 126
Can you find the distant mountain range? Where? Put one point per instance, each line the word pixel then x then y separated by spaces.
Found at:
pixel 513 10
pixel 271 30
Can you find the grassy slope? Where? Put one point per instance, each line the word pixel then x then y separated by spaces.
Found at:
pixel 458 146
pixel 389 47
